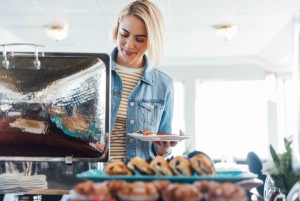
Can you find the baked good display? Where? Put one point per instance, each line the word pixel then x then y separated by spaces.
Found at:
pixel 117 168
pixel 181 192
pixel 141 191
pixel 161 167
pixel 181 166
pixel 227 192
pixel 139 166
pixel 202 164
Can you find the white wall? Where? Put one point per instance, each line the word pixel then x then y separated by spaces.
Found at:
pixel 191 75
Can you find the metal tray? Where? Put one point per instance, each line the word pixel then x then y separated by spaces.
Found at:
pixel 54 106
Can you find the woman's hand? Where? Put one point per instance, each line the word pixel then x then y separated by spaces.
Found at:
pixel 163 147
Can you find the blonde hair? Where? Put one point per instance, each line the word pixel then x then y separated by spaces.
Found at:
pixel 151 15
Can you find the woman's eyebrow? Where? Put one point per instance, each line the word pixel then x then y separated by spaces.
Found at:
pixel 136 35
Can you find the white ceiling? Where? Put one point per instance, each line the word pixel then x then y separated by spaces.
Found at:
pixel 264 35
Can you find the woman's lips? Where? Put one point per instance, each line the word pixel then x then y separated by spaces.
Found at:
pixel 128 53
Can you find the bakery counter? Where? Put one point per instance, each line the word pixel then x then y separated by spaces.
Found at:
pixel 53 178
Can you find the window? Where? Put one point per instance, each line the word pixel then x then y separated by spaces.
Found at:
pixel 231 119
pixel 178 116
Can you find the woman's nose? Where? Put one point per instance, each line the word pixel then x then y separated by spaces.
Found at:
pixel 130 43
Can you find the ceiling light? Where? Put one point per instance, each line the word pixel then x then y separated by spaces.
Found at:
pixel 57 32
pixel 226 32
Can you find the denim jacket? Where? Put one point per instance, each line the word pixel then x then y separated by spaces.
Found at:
pixel 150 107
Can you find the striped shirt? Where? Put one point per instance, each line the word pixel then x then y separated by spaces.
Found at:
pixel 130 77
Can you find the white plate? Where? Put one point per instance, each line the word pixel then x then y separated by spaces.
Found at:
pixel 160 137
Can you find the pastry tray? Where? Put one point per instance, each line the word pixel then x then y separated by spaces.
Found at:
pixel 233 177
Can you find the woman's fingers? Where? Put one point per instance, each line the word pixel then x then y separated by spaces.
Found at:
pixel 173 143
pixel 165 144
pixel 181 132
pixel 156 143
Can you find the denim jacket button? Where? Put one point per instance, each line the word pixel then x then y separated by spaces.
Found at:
pixel 132 104
pixel 131 140
pixel 132 121
pixel 151 107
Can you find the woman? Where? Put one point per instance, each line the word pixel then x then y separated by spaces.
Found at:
pixel 142 95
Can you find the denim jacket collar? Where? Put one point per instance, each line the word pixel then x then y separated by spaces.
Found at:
pixel 148 76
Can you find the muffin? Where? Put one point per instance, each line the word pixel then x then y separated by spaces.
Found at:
pixel 139 166
pixel 227 192
pixel 181 166
pixel 161 167
pixel 204 186
pixel 202 164
pixel 114 186
pixel 138 191
pixel 160 185
pixel 117 168
pixel 89 191
pixel 85 188
pixel 181 192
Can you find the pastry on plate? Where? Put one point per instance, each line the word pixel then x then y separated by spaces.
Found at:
pixel 117 168
pixel 161 167
pixel 181 166
pixel 139 166
pixel 202 164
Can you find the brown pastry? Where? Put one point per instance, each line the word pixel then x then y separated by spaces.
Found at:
pixel 227 192
pixel 101 192
pixel 117 168
pixel 30 126
pixel 161 167
pixel 89 190
pixel 85 188
pixel 181 166
pixel 161 184
pixel 114 186
pixel 205 186
pixel 181 192
pixel 140 166
pixel 141 191
pixel 202 164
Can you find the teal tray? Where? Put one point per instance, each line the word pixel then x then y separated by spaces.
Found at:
pixel 98 175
